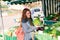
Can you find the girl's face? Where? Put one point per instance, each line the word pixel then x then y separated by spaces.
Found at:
pixel 28 14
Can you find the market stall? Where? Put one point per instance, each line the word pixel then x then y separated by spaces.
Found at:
pixel 11 15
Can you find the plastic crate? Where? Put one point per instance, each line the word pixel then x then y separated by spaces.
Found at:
pixel 49 22
pixel 10 37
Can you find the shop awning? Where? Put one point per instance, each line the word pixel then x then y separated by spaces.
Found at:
pixel 21 1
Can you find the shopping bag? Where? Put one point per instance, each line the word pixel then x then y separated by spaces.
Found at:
pixel 19 33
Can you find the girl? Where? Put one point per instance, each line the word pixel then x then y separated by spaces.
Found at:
pixel 27 24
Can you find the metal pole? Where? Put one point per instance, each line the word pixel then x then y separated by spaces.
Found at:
pixel 57 6
pixel 44 7
pixel 2 19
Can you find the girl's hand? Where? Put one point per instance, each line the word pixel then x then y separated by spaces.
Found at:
pixel 40 28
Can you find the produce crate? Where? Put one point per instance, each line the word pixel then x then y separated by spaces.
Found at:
pixel 49 22
pixel 10 37
pixel 45 36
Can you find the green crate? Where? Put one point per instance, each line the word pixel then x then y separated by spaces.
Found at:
pixel 10 37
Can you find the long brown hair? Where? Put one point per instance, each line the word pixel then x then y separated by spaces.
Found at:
pixel 24 13
pixel 25 17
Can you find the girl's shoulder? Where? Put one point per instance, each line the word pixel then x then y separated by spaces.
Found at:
pixel 24 21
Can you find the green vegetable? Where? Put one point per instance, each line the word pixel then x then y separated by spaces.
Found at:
pixel 36 21
pixel 1 35
pixel 57 24
pixel 50 17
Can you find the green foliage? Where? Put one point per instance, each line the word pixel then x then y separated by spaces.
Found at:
pixel 52 29
pixel 37 22
pixel 58 33
pixel 51 16
pixel 57 24
pixel 1 35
